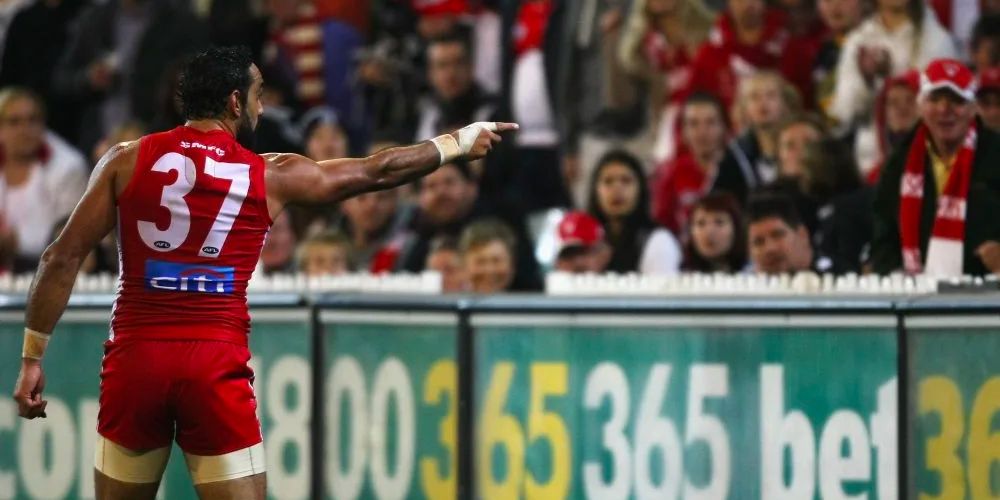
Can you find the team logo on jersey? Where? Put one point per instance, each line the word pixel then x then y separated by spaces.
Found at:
pixel 175 277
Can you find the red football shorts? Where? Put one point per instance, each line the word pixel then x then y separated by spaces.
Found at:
pixel 202 388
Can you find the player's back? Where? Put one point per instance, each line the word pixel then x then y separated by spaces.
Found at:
pixel 191 224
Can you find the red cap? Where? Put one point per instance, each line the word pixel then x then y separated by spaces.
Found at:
pixel 440 7
pixel 989 79
pixel 948 74
pixel 910 79
pixel 578 229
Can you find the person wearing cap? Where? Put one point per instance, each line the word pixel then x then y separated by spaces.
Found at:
pixel 988 97
pixel 581 245
pixel 940 189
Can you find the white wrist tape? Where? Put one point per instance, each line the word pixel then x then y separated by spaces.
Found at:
pixel 450 149
pixel 35 344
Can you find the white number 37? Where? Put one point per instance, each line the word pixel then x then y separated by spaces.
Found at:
pixel 177 231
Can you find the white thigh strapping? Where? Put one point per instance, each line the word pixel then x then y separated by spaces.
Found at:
pixel 128 466
pixel 233 465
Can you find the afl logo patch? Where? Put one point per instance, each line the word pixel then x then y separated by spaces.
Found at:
pixel 210 250
pixel 161 244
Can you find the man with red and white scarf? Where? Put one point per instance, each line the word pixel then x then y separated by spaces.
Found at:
pixel 939 195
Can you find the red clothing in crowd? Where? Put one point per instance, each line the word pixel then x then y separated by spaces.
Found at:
pixel 680 184
pixel 799 58
pixel 302 42
pixel 529 31
pixel 357 13
pixel 722 61
pixel 674 63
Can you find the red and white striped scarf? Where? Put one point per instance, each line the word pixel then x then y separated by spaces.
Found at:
pixel 944 252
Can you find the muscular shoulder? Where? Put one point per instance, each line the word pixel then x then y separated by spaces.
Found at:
pixel 117 165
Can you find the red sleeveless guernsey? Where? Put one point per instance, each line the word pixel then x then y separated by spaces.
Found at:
pixel 191 224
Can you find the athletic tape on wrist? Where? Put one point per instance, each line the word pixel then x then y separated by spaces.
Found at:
pixel 450 149
pixel 447 147
pixel 34 344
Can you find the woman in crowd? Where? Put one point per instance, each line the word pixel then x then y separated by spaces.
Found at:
pixel 716 240
pixel 41 179
pixel 842 206
pixel 901 35
pixel 764 100
pixel 619 199
pixel 658 45
pixel 794 136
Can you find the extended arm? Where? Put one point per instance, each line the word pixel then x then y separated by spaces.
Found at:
pixel 297 179
pixel 92 219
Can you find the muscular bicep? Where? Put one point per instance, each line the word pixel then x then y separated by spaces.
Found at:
pixel 297 179
pixel 294 178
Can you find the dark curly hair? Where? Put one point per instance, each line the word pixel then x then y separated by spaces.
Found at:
pixel 626 247
pixel 208 79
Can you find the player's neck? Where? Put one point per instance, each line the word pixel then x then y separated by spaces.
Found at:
pixel 212 124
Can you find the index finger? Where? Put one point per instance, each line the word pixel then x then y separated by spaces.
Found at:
pixel 504 126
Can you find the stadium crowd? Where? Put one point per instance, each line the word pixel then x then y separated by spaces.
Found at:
pixel 656 136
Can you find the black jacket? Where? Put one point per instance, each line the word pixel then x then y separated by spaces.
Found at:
pixel 172 33
pixel 36 39
pixel 739 170
pixel 982 206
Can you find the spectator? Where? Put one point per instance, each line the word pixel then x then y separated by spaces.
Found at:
pixel 828 181
pixel 455 96
pixel 375 223
pixel 806 36
pixel 36 39
pixel 901 35
pixel 278 254
pixel 843 208
pixel 938 196
pixel 314 54
pixel 581 244
pixel 658 45
pixel 488 250
pixel 748 36
pixel 322 139
pixel 715 243
pixel 322 136
pixel 839 17
pixel 445 200
pixel 117 60
pixel 596 103
pixel 895 116
pixel 684 180
pixel 794 136
pixel 985 45
pixel 778 240
pixel 438 18
pixel 237 22
pixel 326 254
pixel 750 161
pixel 536 178
pixel 444 257
pixel 619 199
pixel 276 130
pixel 988 97
pixel 41 179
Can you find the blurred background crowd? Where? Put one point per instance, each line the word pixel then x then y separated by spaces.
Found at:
pixel 657 136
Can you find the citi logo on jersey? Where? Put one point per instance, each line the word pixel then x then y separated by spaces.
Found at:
pixel 176 277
